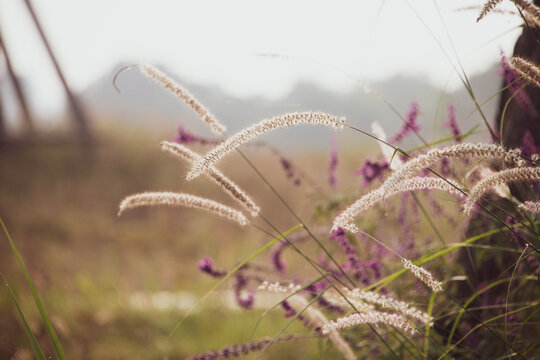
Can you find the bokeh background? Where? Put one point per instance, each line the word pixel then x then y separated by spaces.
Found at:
pixel 116 287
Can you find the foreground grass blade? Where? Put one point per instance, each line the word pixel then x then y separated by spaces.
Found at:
pixel 42 311
pixel 31 337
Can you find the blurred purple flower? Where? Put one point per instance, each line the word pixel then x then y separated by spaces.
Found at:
pixel 184 137
pixel 332 179
pixel 275 257
pixel 206 265
pixel 287 166
pixel 410 124
pixel 290 312
pixel 374 265
pixel 452 123
pixel 371 171
pixel 340 236
pixel 445 167
pixel 240 284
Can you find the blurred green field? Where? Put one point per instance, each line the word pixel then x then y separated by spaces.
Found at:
pixel 59 203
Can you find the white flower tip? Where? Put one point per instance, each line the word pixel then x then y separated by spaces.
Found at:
pixel 191 175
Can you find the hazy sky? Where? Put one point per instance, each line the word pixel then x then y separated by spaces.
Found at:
pixel 217 41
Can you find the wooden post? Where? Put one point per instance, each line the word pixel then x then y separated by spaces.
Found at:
pixel 28 124
pixel 80 118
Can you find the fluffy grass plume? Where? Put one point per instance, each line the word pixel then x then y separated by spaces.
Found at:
pixel 181 200
pixel 531 206
pixel 402 307
pixel 531 11
pixel 524 174
pixel 374 317
pixel 459 151
pixel 184 95
pixel 181 151
pixel 346 218
pixel 423 275
pixel 488 6
pixel 260 128
pixel 527 69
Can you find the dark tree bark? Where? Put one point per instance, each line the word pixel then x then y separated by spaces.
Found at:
pixel 79 115
pixel 27 117
pixel 517 121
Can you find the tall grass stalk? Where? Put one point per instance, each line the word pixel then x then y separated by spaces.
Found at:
pixel 37 300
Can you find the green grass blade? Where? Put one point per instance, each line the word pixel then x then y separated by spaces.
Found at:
pixel 31 337
pixel 39 304
pixel 428 327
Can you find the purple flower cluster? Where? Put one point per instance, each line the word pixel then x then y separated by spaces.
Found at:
pixel 410 124
pixel 206 265
pixel 185 137
pixel 371 171
pixel 340 236
pixel 240 283
pixel 240 350
pixel 275 256
pixel 287 166
pixel 452 124
pixel 332 179
pixel 315 289
pixel 290 312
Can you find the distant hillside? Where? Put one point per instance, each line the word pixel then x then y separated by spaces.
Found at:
pixel 142 103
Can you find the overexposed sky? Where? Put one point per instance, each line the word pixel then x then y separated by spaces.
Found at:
pixel 217 41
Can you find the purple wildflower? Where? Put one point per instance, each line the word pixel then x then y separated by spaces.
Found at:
pixel 332 179
pixel 240 350
pixel 240 284
pixel 445 166
pixel 323 263
pixel 452 123
pixel 184 137
pixel 206 265
pixel 290 312
pixel 516 86
pixel 375 266
pixel 340 236
pixel 275 256
pixel 371 171
pixel 528 147
pixel 410 124
pixel 315 289
pixel 287 166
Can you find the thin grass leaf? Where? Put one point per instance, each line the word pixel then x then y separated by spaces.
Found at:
pixel 428 324
pixel 31 337
pixel 39 304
